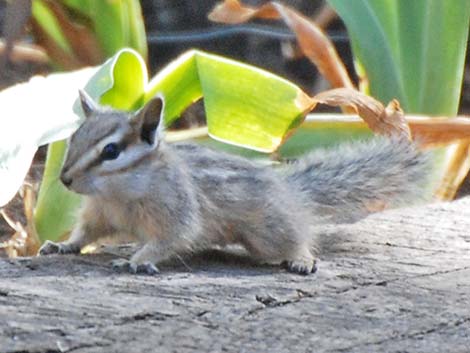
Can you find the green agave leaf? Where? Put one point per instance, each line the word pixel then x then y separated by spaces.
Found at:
pixel 82 6
pixel 54 214
pixel 119 24
pixel 120 83
pixel 179 83
pixel 411 50
pixel 310 135
pixel 137 34
pixel 110 25
pixel 247 106
pixel 244 105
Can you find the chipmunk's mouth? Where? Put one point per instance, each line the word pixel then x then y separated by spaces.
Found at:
pixel 83 187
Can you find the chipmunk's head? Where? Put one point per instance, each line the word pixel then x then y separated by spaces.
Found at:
pixel 106 152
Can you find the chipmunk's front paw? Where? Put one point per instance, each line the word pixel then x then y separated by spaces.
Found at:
pixel 49 248
pixel 302 267
pixel 124 265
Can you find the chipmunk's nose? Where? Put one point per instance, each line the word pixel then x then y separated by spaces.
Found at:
pixel 66 180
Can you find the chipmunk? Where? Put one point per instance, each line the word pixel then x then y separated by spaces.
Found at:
pixel 182 198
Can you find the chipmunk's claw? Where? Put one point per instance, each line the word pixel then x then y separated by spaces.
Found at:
pixel 300 266
pixel 49 248
pixel 124 265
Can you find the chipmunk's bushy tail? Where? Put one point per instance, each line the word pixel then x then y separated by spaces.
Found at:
pixel 354 180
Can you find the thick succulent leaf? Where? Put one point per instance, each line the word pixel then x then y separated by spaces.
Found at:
pixel 54 213
pixel 411 50
pixel 137 35
pixel 249 107
pixel 84 7
pixel 121 81
pixel 179 82
pixel 244 105
pixel 119 24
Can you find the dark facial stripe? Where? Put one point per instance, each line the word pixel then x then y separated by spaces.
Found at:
pixel 105 132
pixel 129 166
pixel 126 140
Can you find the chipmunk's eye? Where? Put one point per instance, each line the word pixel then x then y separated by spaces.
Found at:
pixel 110 151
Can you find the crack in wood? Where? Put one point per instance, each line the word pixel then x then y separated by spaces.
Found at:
pixel 397 279
pixel 146 316
pixel 269 301
pixel 418 334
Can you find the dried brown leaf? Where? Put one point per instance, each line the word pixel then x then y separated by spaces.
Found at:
pixel 233 12
pixel 388 120
pixel 325 16
pixel 456 170
pixel 313 42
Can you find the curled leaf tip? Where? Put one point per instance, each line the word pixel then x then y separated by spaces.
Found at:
pixel 304 102
pixel 382 120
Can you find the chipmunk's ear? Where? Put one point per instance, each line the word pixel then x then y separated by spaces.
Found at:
pixel 88 104
pixel 149 120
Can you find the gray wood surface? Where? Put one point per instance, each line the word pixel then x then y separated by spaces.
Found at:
pixel 398 281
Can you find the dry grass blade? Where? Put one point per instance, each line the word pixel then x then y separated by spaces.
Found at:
pixel 32 242
pixel 14 246
pixel 456 170
pixel 25 240
pixel 388 120
pixel 25 52
pixel 314 44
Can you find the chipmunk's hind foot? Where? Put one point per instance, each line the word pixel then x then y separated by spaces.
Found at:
pixel 303 265
pixel 124 265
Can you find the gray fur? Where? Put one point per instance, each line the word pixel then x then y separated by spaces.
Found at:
pixel 183 197
pixel 346 181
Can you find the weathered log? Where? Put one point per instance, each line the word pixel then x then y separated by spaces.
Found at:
pixel 398 281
